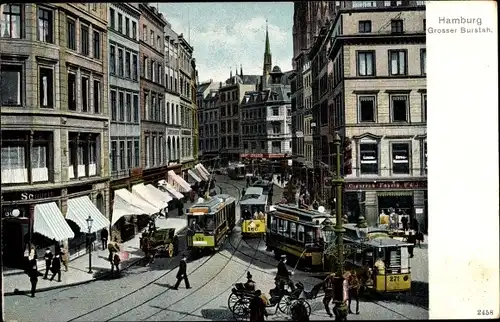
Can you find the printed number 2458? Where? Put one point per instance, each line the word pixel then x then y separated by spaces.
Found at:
pixel 484 312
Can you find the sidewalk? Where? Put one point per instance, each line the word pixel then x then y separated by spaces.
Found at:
pixel 17 281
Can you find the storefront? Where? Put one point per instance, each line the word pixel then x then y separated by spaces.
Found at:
pixel 20 208
pixel 370 198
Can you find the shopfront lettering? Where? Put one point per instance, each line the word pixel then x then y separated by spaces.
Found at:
pixel 25 196
pixel 387 185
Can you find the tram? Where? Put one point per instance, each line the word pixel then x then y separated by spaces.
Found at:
pixel 297 233
pixel 253 209
pixel 209 221
pixel 264 184
pixel 236 171
pixel 371 245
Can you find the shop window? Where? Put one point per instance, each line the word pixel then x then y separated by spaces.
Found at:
pixel 401 158
pixel 368 155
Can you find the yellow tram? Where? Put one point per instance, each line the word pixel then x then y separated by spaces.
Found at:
pixel 209 221
pixel 253 208
pixel 386 258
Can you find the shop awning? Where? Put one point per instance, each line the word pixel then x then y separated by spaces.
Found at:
pixel 80 208
pixel 50 222
pixel 171 190
pixel 126 204
pixel 200 174
pixel 160 194
pixel 179 183
pixel 194 176
pixel 144 193
pixel 203 169
pixel 400 193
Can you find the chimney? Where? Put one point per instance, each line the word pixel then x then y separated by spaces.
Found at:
pixel 220 84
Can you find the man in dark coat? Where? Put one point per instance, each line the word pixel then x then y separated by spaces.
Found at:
pixel 48 261
pixel 182 275
pixel 33 274
pixel 404 222
pixel 56 268
pixel 329 292
pixel 180 207
pixel 104 238
pixel 283 275
pixel 257 308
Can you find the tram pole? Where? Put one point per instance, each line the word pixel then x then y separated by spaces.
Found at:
pixel 340 307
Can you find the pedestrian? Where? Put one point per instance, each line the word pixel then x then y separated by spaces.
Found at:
pixel 329 293
pixel 315 205
pixel 64 258
pixel 354 287
pixel 182 274
pixel 48 261
pixel 180 208
pixel 404 222
pixel 412 239
pixel 33 274
pixel 104 238
pixel 56 268
pixel 283 275
pixel 116 263
pixel 258 311
pixel 243 192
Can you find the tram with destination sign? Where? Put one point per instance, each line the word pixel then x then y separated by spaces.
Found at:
pixel 253 209
pixel 209 221
pixel 236 171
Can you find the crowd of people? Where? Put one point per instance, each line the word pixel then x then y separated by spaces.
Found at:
pixel 53 263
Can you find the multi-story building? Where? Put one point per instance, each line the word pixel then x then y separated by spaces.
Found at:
pixel 230 97
pixel 194 104
pixel 187 113
pixel 153 126
pixel 124 95
pixel 204 95
pixel 380 105
pixel 55 122
pixel 172 101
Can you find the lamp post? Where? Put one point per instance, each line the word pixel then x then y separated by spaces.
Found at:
pixel 339 230
pixel 89 226
pixel 313 194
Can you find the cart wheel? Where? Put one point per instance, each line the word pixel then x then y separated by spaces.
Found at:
pixel 241 310
pixel 284 304
pixel 170 250
pixel 308 307
pixel 231 301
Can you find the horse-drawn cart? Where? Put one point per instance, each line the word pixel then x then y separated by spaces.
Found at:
pixel 240 298
pixel 159 243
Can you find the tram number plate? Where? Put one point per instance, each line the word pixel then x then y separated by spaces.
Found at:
pixel 393 278
pixel 250 228
pixel 198 238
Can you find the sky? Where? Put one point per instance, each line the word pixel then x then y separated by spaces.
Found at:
pixel 227 34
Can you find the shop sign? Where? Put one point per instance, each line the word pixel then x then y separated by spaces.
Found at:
pixel 387 185
pixel 20 196
pixel 15 211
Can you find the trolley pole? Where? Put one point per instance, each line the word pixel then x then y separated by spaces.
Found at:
pixel 340 308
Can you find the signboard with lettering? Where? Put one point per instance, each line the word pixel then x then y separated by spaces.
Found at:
pixel 19 196
pixel 15 211
pixel 386 185
pixel 263 155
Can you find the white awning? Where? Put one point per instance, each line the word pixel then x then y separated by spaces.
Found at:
pixel 200 173
pixel 50 222
pixel 159 194
pixel 126 204
pixel 194 176
pixel 142 192
pixel 80 208
pixel 178 183
pixel 171 190
pixel 200 166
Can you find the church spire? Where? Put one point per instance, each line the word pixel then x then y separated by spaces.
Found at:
pixel 267 55
pixel 241 70
pixel 230 72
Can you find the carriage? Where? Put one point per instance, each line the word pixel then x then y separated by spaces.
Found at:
pixel 162 242
pixel 283 300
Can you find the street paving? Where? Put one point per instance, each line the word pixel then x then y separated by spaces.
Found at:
pixel 143 293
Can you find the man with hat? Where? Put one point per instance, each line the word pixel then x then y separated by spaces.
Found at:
pixel 182 274
pixel 283 275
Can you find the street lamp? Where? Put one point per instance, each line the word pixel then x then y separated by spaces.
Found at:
pixel 313 194
pixel 328 231
pixel 89 226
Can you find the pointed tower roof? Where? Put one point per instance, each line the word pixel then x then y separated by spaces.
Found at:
pixel 241 70
pixel 268 47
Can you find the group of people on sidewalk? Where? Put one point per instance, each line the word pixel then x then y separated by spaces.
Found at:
pixel 52 264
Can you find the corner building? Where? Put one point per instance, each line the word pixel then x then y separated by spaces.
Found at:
pixel 55 123
pixel 379 105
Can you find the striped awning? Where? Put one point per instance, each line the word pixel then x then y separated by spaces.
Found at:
pixel 200 173
pixel 50 222
pixel 203 169
pixel 399 193
pixel 80 208
pixel 159 194
pixel 194 176
pixel 178 183
pixel 144 193
pixel 171 190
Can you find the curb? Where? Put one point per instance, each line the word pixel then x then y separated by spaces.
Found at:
pixel 45 289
